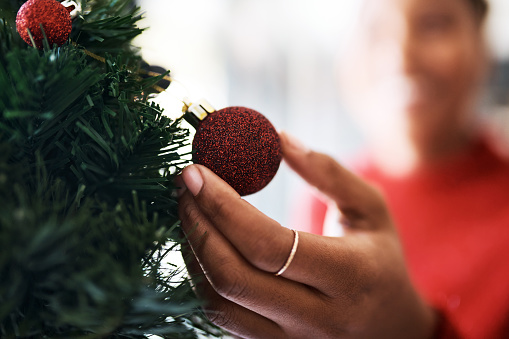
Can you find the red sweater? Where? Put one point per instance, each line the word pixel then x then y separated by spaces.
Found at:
pixel 453 221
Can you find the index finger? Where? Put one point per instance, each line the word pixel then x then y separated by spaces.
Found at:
pixel 354 197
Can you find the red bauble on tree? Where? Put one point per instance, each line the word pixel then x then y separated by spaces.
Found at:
pixel 240 145
pixel 51 14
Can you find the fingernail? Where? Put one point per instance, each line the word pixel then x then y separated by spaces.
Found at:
pixel 192 179
pixel 180 185
pixel 293 142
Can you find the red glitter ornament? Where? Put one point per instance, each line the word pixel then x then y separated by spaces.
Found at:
pixel 54 17
pixel 241 146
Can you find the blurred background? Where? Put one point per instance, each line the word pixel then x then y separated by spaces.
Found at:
pixel 279 57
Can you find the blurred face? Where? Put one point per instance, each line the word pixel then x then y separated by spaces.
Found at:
pixel 414 68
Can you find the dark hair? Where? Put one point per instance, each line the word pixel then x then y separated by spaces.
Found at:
pixel 480 8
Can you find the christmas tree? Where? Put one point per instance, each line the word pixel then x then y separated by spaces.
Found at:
pixel 88 212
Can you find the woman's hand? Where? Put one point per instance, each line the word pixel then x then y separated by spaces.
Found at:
pixel 355 286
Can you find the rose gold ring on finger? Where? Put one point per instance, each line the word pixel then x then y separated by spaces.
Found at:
pixel 292 253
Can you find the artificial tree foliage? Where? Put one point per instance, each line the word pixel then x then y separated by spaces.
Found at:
pixel 88 212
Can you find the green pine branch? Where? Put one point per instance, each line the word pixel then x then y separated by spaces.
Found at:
pixel 88 214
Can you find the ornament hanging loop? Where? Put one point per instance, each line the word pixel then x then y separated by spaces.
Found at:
pixel 74 7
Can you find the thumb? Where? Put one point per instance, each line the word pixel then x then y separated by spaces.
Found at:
pixel 353 196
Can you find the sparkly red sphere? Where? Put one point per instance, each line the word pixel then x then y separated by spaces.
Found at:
pixel 54 17
pixel 241 146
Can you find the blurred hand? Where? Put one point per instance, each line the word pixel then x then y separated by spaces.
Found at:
pixel 355 286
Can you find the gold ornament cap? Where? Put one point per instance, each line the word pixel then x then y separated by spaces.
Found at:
pixel 197 112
